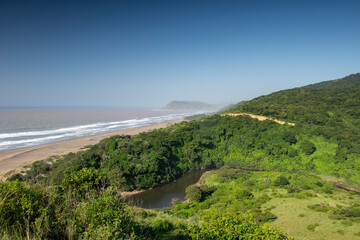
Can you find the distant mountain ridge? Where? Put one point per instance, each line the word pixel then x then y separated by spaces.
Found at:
pixel 352 80
pixel 190 105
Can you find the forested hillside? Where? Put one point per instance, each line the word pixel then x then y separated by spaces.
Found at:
pixel 331 113
pixel 324 141
pixel 348 81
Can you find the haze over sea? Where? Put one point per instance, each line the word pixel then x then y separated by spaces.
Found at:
pixel 25 127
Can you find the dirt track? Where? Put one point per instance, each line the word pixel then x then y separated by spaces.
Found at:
pixel 260 118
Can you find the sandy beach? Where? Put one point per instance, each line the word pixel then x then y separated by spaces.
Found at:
pixel 12 159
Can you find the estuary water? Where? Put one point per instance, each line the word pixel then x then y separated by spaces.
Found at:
pixel 161 197
pixel 25 127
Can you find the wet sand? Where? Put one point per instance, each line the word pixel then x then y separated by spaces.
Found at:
pixel 11 159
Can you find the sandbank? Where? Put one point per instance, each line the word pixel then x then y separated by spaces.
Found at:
pixel 11 159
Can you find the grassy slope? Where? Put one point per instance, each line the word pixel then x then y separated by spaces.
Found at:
pixel 291 209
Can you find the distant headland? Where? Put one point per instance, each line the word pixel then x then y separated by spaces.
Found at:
pixel 190 105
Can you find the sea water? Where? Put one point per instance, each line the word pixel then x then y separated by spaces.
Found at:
pixel 25 127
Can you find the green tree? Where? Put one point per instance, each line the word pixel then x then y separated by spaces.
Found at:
pixel 193 193
pixel 308 147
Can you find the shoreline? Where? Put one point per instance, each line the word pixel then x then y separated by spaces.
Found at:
pixel 15 158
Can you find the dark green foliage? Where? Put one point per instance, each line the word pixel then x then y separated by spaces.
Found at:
pixel 290 137
pixel 281 181
pixel 206 191
pixel 227 173
pixel 265 217
pixel 293 189
pixel 21 204
pixel 89 213
pixel 233 226
pixel 16 177
pixel 308 147
pixel 327 189
pixel 244 194
pixel 197 193
pixel 86 178
pixel 351 213
pixel 193 193
pixel 161 225
pixel 311 227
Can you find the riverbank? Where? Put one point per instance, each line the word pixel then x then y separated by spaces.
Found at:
pixel 12 159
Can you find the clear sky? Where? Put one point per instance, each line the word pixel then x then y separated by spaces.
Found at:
pixel 146 53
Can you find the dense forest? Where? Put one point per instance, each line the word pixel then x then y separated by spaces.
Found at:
pixel 77 195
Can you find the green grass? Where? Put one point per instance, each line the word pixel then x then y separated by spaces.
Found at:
pixel 301 222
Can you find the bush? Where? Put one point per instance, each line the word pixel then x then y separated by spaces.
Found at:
pixel 85 179
pixel 227 174
pixel 20 204
pixel 311 227
pixel 244 194
pixel 293 189
pixel 16 177
pixel 193 193
pixel 327 189
pixel 264 217
pixel 161 225
pixel 308 147
pixel 233 225
pixel 281 181
pixel 290 138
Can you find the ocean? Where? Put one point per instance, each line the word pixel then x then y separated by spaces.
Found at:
pixel 25 127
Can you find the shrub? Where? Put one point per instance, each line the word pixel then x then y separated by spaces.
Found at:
pixel 233 225
pixel 264 217
pixel 290 138
pixel 281 181
pixel 227 174
pixel 82 180
pixel 320 184
pixel 16 177
pixel 20 204
pixel 161 225
pixel 206 191
pixel 244 194
pixel 193 193
pixel 308 147
pixel 311 227
pixel 293 189
pixel 327 189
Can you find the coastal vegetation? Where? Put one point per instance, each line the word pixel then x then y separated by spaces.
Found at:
pixel 268 175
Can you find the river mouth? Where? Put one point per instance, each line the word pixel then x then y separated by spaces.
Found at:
pixel 161 197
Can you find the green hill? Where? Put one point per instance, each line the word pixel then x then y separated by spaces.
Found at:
pixel 352 80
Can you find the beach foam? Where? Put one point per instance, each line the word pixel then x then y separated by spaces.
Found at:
pixel 14 140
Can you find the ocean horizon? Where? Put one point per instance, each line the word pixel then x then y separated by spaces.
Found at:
pixel 22 127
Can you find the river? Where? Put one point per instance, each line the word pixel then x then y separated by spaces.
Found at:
pixel 161 197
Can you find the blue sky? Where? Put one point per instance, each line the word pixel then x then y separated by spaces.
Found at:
pixel 147 53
